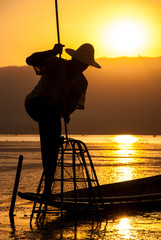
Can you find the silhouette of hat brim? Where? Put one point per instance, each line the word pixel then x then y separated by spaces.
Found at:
pixel 85 54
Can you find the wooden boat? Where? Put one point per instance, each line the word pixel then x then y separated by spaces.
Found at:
pixel 139 194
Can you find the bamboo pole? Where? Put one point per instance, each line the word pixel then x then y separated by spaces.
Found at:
pixel 57 20
pixel 16 185
pixel 57 23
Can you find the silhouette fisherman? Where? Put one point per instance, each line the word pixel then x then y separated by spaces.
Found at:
pixel 60 91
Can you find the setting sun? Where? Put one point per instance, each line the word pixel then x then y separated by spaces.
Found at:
pixel 127 139
pixel 126 37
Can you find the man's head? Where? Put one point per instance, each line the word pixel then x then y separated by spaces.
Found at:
pixel 83 56
pixel 78 66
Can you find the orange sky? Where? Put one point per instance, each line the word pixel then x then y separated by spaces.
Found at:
pixel 116 28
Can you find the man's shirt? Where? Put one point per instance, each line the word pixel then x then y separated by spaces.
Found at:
pixel 55 86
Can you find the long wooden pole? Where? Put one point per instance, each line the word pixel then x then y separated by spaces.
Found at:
pixel 57 20
pixel 58 35
pixel 16 185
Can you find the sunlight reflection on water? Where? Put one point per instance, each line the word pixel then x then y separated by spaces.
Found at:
pixel 113 162
pixel 124 227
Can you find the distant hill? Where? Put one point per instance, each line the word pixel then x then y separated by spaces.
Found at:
pixel 123 97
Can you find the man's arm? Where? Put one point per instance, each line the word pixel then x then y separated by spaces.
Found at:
pixel 37 58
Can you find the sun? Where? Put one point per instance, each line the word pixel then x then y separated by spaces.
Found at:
pixel 126 139
pixel 125 37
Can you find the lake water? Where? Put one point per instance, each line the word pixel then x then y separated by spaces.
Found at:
pixel 116 158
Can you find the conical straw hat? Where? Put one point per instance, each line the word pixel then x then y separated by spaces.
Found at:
pixel 85 54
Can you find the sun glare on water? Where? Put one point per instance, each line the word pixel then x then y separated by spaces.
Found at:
pixel 127 139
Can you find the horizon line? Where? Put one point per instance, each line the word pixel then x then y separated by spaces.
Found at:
pixel 99 58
